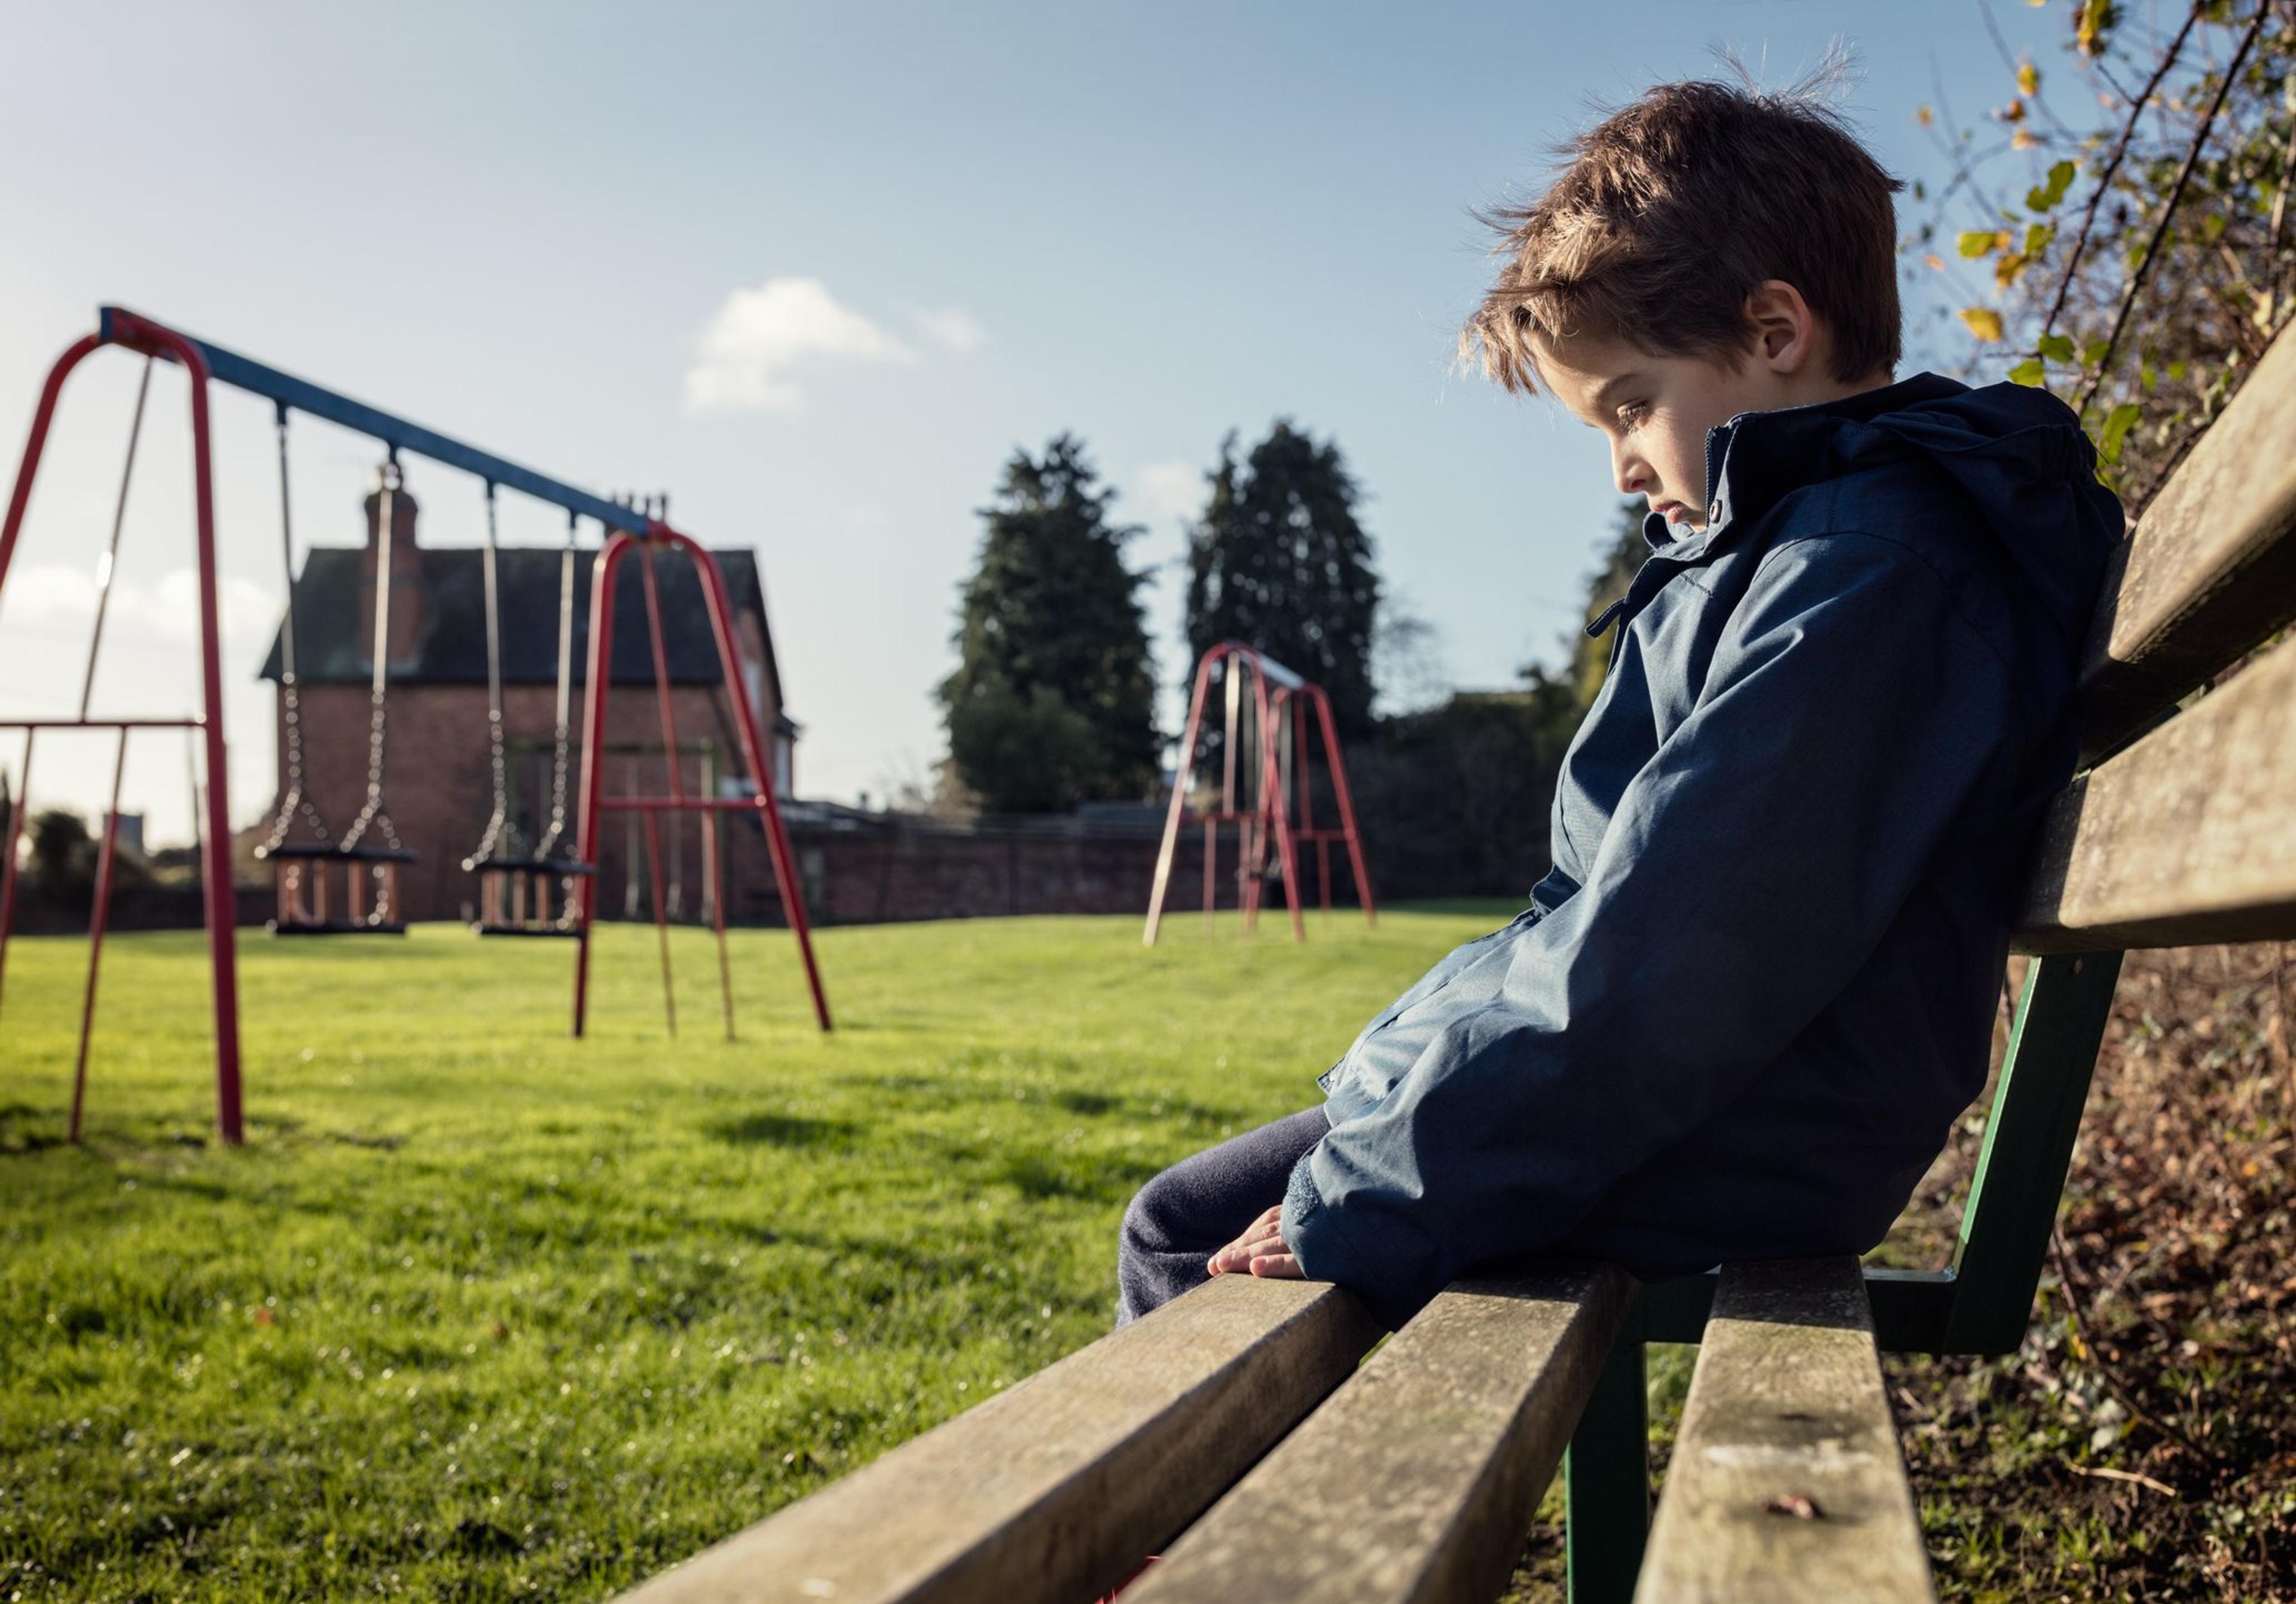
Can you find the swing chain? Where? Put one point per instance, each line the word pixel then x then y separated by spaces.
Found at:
pixel 373 815
pixel 560 741
pixel 294 802
pixel 108 568
pixel 491 841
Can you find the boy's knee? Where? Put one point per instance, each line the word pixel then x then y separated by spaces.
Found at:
pixel 1147 1219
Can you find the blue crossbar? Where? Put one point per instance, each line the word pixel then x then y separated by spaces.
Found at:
pixel 302 396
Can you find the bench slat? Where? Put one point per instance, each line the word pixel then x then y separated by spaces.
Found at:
pixel 1052 1490
pixel 2212 569
pixel 2189 836
pixel 1418 1479
pixel 1787 1405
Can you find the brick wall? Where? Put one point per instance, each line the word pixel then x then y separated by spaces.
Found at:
pixel 854 869
pixel 891 868
pixel 133 908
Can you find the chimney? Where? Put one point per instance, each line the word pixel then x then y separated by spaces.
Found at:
pixel 405 580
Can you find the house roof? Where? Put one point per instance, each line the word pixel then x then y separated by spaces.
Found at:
pixel 452 648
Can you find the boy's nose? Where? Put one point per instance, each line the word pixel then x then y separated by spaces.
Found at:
pixel 1630 473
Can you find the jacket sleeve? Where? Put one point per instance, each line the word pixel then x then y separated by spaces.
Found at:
pixel 1750 868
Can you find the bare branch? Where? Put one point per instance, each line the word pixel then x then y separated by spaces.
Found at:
pixel 2169 208
pixel 2113 166
pixel 2001 48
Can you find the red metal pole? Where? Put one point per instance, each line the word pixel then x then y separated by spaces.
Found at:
pixel 1308 806
pixel 43 415
pixel 35 446
pixel 593 769
pixel 660 916
pixel 1347 803
pixel 713 870
pixel 1212 871
pixel 1182 772
pixel 729 658
pixel 1233 690
pixel 1279 808
pixel 8 861
pixel 223 935
pixel 670 762
pixel 96 920
pixel 1248 847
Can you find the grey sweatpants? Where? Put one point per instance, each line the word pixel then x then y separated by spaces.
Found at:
pixel 1199 1205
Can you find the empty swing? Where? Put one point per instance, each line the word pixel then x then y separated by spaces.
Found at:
pixel 514 887
pixel 370 903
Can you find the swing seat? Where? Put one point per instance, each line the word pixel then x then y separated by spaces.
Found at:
pixel 331 927
pixel 528 880
pixel 299 917
pixel 545 865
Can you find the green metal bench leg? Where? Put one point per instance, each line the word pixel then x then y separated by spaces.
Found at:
pixel 1606 1480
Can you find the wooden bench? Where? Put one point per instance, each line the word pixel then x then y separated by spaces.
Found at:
pixel 1239 1432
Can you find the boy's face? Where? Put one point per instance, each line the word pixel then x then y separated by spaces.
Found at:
pixel 1655 411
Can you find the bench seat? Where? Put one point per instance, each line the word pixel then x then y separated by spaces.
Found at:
pixel 1234 1432
pixel 1786 1483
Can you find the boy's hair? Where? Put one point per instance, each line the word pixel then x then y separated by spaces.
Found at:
pixel 1673 209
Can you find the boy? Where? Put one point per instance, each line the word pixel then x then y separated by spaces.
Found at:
pixel 1747 1003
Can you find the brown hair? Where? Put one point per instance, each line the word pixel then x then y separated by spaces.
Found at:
pixel 1671 210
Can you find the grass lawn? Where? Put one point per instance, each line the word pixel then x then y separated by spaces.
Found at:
pixel 483 1313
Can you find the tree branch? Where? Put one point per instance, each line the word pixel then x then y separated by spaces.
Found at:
pixel 2113 166
pixel 2169 209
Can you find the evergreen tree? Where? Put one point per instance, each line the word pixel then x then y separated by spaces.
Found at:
pixel 62 852
pixel 1279 562
pixel 1054 697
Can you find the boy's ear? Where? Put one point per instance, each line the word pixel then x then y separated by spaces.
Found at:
pixel 1786 333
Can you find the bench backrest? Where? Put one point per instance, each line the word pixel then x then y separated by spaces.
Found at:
pixel 2179 833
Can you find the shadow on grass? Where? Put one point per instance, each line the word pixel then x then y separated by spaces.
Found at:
pixel 18 1136
pixel 1096 1181
pixel 783 1131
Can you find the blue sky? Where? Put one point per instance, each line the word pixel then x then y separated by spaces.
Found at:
pixel 816 271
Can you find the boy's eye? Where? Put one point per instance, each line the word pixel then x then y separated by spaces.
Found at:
pixel 1633 412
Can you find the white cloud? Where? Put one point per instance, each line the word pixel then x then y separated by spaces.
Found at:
pixel 951 328
pixel 1172 489
pixel 58 600
pixel 747 353
pixel 149 662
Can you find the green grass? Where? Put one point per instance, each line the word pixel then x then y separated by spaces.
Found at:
pixel 480 1313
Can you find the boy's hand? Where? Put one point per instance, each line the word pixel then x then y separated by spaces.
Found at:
pixel 1260 1249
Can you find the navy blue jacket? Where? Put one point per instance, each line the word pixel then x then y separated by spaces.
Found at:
pixel 1745 1007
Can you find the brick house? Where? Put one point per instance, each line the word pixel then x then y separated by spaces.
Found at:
pixel 437 786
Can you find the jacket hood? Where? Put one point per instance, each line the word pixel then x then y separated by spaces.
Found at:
pixel 2017 452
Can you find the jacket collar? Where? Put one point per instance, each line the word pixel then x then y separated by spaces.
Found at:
pixel 1751 462
pixel 1756 457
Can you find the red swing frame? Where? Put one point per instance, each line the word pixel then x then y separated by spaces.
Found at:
pixel 149 339
pixel 620 545
pixel 1280 708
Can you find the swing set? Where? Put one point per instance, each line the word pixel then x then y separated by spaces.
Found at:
pixel 515 885
pixel 1265 762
